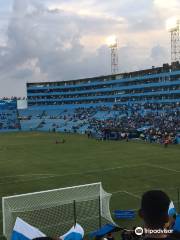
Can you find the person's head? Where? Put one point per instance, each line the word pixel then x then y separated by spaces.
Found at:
pixel 154 209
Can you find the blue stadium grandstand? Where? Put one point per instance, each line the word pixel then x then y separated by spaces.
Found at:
pixel 143 104
pixel 8 116
pixel 160 85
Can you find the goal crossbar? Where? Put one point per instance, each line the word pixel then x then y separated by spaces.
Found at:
pixel 51 190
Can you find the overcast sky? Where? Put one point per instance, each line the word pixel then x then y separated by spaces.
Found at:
pixel 49 40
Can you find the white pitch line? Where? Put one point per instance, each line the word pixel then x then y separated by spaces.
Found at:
pixel 144 189
pixel 132 194
pixel 162 188
pixel 127 192
pixel 114 168
pixel 164 168
pixel 47 176
pixel 28 180
pixel 119 191
pixel 27 175
pixel 75 173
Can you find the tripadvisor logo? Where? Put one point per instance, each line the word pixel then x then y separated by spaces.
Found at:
pixel 140 231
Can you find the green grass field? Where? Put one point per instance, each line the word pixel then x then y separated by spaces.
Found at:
pixel 33 162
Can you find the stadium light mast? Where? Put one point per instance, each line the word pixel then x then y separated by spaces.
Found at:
pixel 113 45
pixel 175 42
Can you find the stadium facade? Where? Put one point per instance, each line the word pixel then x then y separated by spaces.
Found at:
pixel 156 85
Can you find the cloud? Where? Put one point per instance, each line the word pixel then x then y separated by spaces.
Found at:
pixel 158 53
pixel 62 40
pixel 166 4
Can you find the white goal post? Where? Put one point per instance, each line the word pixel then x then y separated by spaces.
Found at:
pixel 55 211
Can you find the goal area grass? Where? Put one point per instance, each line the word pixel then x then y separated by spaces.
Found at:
pixel 36 161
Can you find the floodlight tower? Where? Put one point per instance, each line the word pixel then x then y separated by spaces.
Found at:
pixel 114 57
pixel 175 42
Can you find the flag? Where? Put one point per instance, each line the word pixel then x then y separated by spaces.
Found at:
pixel 75 233
pixel 105 229
pixel 24 231
pixel 171 210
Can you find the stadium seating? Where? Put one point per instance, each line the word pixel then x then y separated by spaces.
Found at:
pixel 135 117
pixel 27 113
pixel 29 125
pixel 8 120
pixel 151 121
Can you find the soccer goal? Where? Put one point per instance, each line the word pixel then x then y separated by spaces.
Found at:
pixel 55 211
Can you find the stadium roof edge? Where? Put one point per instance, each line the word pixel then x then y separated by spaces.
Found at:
pixel 171 66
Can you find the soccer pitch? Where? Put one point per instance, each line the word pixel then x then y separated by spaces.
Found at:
pixel 33 162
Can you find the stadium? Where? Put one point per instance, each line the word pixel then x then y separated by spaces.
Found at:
pixel 116 125
pixel 84 151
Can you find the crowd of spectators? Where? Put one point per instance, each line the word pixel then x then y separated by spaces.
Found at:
pixel 151 127
pixel 8 120
pixel 8 115
pixel 152 122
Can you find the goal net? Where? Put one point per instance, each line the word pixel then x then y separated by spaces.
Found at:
pixel 55 211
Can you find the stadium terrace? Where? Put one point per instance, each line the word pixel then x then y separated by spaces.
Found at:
pixel 156 85
pixel 142 104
